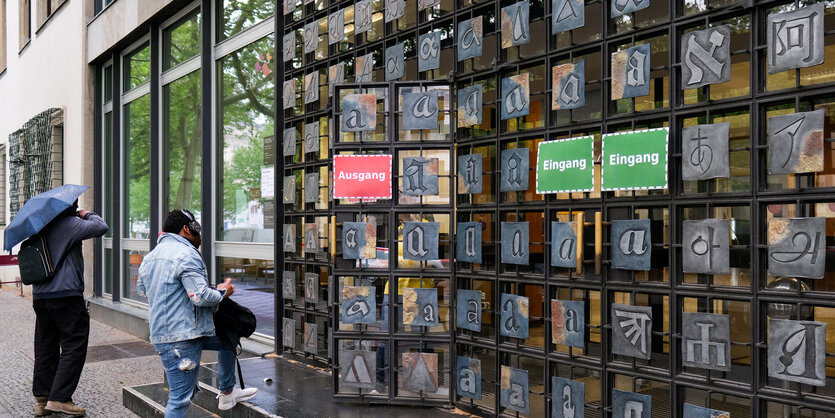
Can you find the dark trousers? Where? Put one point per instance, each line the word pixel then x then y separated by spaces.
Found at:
pixel 62 328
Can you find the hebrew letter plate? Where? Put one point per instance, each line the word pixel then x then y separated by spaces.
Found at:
pixel 358 369
pixel 289 238
pixel 362 16
pixel 420 110
pixel 288 288
pixel 568 398
pixel 797 247
pixel 359 305
pixel 693 411
pixel 470 174
pixel 631 405
pixel 515 243
pixel 420 240
pixel 516 28
pixel 394 62
pixel 795 143
pixel 311 238
pixel 359 113
pixel 311 342
pixel 429 51
pixel 514 390
pixel 797 351
pixel 420 372
pixel 705 246
pixel 705 341
pixel 420 307
pixel 516 96
pixel 568 323
pixel 795 39
pixel 515 311
pixel 311 187
pixel 311 137
pixel 336 27
pixel 563 245
pixel 631 244
pixel 289 145
pixel 569 81
pixel 311 288
pixel 359 241
pixel 705 152
pixel 516 166
pixel 705 57
pixel 468 310
pixel 470 101
pixel 289 330
pixel 311 37
pixel 468 242
pixel 470 38
pixel 632 330
pixel 630 72
pixel 311 87
pixel 469 377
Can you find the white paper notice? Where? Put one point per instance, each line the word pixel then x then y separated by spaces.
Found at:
pixel 267 182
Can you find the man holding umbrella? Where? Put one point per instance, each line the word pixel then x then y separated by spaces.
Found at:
pixel 62 324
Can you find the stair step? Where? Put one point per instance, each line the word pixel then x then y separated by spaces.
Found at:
pixel 148 401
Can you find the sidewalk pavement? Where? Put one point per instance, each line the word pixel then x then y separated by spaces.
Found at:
pixel 114 360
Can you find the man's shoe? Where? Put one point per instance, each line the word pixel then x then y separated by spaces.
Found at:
pixel 68 408
pixel 238 395
pixel 40 407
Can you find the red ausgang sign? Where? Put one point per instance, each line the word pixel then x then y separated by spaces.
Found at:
pixel 362 177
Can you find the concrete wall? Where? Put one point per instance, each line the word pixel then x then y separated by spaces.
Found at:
pixel 117 21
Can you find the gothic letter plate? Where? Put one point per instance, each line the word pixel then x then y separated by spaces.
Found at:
pixel 563 245
pixel 420 110
pixel 468 242
pixel 515 173
pixel 797 247
pixel 311 137
pixel 358 369
pixel 470 38
pixel 288 288
pixel 311 288
pixel 797 351
pixel 631 244
pixel 289 330
pixel 515 243
pixel 362 16
pixel 336 27
pixel 705 246
pixel 569 85
pixel 289 142
pixel 289 93
pixel 630 72
pixel 359 241
pixel 289 46
pixel 795 39
pixel 632 331
pixel 429 51
pixel 363 68
pixel 359 305
pixel 311 37
pixel 515 311
pixel 289 190
pixel 705 341
pixel 568 323
pixel 631 405
pixel 394 62
pixel 568 398
pixel 704 152
pixel 567 15
pixel 420 307
pixel 395 9
pixel 420 372
pixel 311 87
pixel 705 57
pixel 693 411
pixel 420 240
pixel 359 113
pixel 470 174
pixel 514 390
pixel 795 143
pixel 468 310
pixel 470 101
pixel 516 28
pixel 516 96
pixel 336 75
pixel 469 377
pixel 420 176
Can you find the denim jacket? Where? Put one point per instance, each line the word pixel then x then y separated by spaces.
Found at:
pixel 174 279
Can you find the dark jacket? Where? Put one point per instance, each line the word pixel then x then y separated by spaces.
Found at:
pixel 63 236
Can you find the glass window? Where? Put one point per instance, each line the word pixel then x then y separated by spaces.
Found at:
pixel 254 281
pixel 236 16
pixel 131 261
pixel 107 159
pixel 183 147
pixel 181 41
pixel 137 68
pixel 108 84
pixel 137 156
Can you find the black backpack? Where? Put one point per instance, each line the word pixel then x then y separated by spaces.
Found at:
pixel 233 321
pixel 34 261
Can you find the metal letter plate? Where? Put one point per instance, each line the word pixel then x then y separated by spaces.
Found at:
pixel 420 240
pixel 358 369
pixel 468 242
pixel 632 330
pixel 363 68
pixel 311 137
pixel 797 247
pixel 394 68
pixel 311 37
pixel 359 305
pixel 515 311
pixel 289 332
pixel 336 75
pixel 631 405
pixel 631 244
pixel 289 93
pixel 311 342
pixel 359 113
pixel 693 411
pixel 420 372
pixel 795 143
pixel 420 176
pixel 514 390
pixel 705 57
pixel 516 96
pixel 311 238
pixel 515 243
pixel 705 152
pixel 289 46
pixel 289 238
pixel 359 240
pixel 568 323
pixel 288 288
pixel 468 310
pixel 470 38
pixel 622 7
pixel 563 245
pixel 311 87
pixel 705 246
pixel 515 174
pixel 470 174
pixel 425 4
pixel 706 341
pixel 420 111
pixel 395 9
pixel 516 29
pixel 429 51
pixel 336 27
pixel 568 398
pixel 289 190
pixel 567 15
pixel 795 39
pixel 797 351
pixel 289 145
pixel 569 81
pixel 630 72
pixel 469 377
pixel 289 6
pixel 362 16
pixel 311 288
pixel 470 102
pixel 420 307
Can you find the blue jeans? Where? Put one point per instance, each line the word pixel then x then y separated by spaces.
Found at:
pixel 181 361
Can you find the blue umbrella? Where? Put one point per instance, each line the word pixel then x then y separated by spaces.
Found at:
pixel 39 211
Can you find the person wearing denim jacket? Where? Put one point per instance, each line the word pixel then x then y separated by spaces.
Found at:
pixel 181 303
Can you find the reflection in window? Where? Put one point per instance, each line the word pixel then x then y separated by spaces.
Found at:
pixel 254 281
pixel 182 41
pixel 137 68
pixel 183 143
pixel 137 168
pixel 236 16
pixel 131 261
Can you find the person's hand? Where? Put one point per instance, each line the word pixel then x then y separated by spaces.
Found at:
pixel 82 213
pixel 227 284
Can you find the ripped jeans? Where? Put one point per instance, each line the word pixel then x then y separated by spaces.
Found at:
pixel 181 361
